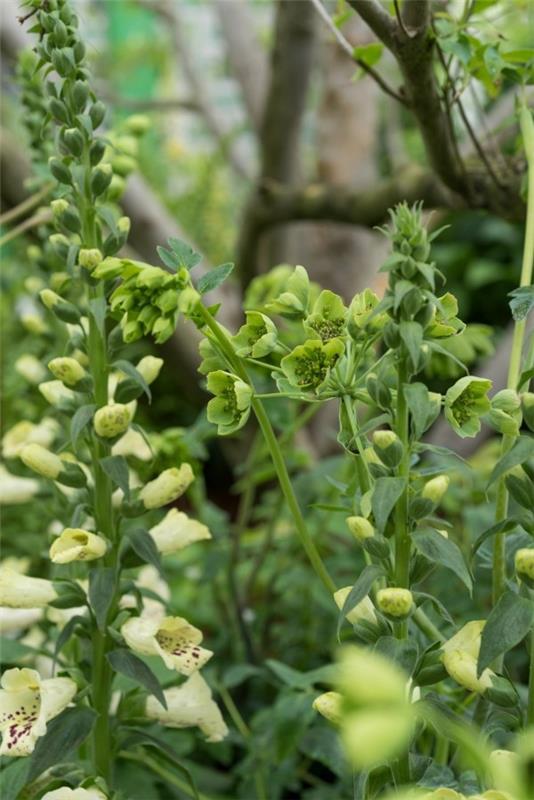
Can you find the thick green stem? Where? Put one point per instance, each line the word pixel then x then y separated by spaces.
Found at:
pixel 530 709
pixel 276 454
pixel 402 534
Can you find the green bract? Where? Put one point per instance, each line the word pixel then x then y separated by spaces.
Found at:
pixel 293 303
pixel 308 365
pixel 230 408
pixel 327 320
pixel 360 313
pixel 445 321
pixel 257 338
pixel 465 402
pixel 505 412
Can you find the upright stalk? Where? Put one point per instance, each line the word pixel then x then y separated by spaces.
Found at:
pixel 402 534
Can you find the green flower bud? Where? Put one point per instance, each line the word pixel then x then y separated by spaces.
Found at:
pixel 67 370
pixel 101 178
pixel 364 611
pixel 111 420
pixel 505 413
pixel 74 141
pixel 96 152
pixel 230 408
pixel 395 602
pixel 360 528
pixel 58 110
pixel 63 310
pixel 388 447
pixel 97 112
pixel 329 706
pixel 108 269
pixel 527 405
pixel 123 165
pixel 465 402
pixel 59 207
pixel 138 124
pixel 42 461
pixel 123 225
pixel 257 338
pixel 116 188
pixel 60 171
pixel 90 258
pixel 524 565
pixel 435 488
pixel 327 320
pixel 80 95
pixel 149 367
pixel 308 365
pixel 60 244
pixel 167 487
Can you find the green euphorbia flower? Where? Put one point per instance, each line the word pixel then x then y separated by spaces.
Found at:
pixel 293 302
pixel 445 321
pixel 361 315
pixel 230 408
pixel 257 338
pixel 505 412
pixel 327 320
pixel 308 365
pixel 465 402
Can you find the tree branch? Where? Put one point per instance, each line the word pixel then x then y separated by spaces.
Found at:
pixel 377 18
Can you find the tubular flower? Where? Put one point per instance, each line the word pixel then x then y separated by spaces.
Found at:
pixel 14 620
pixel 41 460
pixel 363 611
pixel 505 413
pixel 27 433
pixel 309 364
pixel 465 402
pixel 460 658
pixel 445 321
pixel 257 338
pixel 176 531
pixel 361 313
pixel 66 793
pixel 132 443
pixel 293 301
pixel 172 638
pixel 67 370
pixel 395 602
pixel 75 544
pixel 14 490
pixel 21 591
pixel 189 705
pixel 27 703
pixel 360 527
pixel 329 706
pixel 149 367
pixel 435 488
pixel 168 486
pixel 55 392
pixel 111 420
pixel 327 320
pixel 30 368
pixel 230 408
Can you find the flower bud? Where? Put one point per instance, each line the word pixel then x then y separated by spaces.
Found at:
pixel 138 124
pixel 109 268
pixel 435 488
pixel 395 602
pixel 41 460
pixel 59 207
pixel 149 367
pixel 524 564
pixel 527 406
pixel 60 171
pixel 329 706
pixel 505 412
pixel 123 225
pixel 388 447
pixel 21 591
pixel 30 368
pixel 111 420
pixel 364 611
pixel 74 141
pixel 55 393
pixel 101 178
pixel 76 544
pixel 90 258
pixel 67 370
pixel 60 244
pixel 79 95
pixel 97 112
pixel 360 528
pixel 168 486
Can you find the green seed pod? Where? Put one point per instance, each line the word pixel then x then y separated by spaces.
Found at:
pixel 97 114
pixel 80 95
pixel 58 110
pixel 60 171
pixel 73 141
pixel 96 152
pixel 100 179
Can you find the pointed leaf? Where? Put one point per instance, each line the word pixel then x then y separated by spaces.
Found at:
pixel 385 494
pixel 522 450
pixel 509 622
pixel 63 734
pixel 132 667
pixel 214 278
pixel 439 550
pixel 360 589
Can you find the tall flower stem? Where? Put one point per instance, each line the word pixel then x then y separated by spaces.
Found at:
pixel 501 509
pixel 275 452
pixel 402 534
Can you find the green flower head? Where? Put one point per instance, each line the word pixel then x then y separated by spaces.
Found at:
pixel 308 365
pixel 257 338
pixel 327 320
pixel 407 233
pixel 293 302
pixel 230 408
pixel 505 412
pixel 445 321
pixel 465 402
pixel 360 313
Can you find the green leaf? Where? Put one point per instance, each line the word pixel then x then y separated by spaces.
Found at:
pixel 508 623
pixel 145 547
pixel 134 375
pixel 116 468
pixel 65 634
pixel 169 259
pixel 522 450
pixel 369 54
pixel 404 652
pixel 360 589
pixel 411 334
pixel 138 735
pixel 385 494
pixel 418 401
pixel 522 302
pixel 185 254
pixel 439 550
pixel 80 420
pixel 501 527
pixel 97 309
pixel 101 586
pixel 214 278
pixel 64 733
pixel 13 651
pixel 13 778
pixel 422 597
pixel 126 663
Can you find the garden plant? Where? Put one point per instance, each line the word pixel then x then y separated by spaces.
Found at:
pixel 412 700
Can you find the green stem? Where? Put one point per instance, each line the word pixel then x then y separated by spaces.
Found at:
pixel 402 534
pixel 427 626
pixel 275 452
pixel 169 777
pixel 530 708
pixel 514 371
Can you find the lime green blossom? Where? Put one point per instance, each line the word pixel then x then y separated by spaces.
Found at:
pixel 309 364
pixel 360 313
pixel 465 402
pixel 505 412
pixel 327 320
pixel 294 300
pixel 230 408
pixel 445 321
pixel 257 338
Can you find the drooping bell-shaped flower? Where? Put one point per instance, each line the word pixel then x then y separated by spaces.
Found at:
pixel 168 486
pixel 230 408
pixel 327 320
pixel 329 705
pixel 66 793
pixel 293 302
pixel 76 544
pixel 176 531
pixel 15 490
pixel 27 703
pixel 132 443
pixel 172 638
pixel 363 611
pixel 460 658
pixel 308 365
pixel 41 460
pixel 21 591
pixel 189 705
pixel 257 338
pixel 465 402
pixel 25 432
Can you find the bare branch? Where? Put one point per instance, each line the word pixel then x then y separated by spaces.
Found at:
pixel 377 18
pixel 416 14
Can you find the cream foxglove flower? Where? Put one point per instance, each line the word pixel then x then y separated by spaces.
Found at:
pixel 14 489
pixel 27 703
pixel 111 420
pixel 172 638
pixel 66 793
pixel 149 578
pixel 189 705
pixel 75 544
pixel 41 460
pixel 168 486
pixel 54 392
pixel 460 658
pixel 176 531
pixel 132 443
pixel 27 433
pixel 329 706
pixel 149 367
pixel 20 591
pixel 30 368
pixel 364 610
pixel 395 601
pixel 14 620
pixel 67 370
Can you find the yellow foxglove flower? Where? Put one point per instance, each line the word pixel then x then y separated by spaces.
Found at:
pixel 149 578
pixel 460 658
pixel 172 638
pixel 27 433
pixel 132 443
pixel 329 706
pixel 524 562
pixel 76 544
pixel 372 736
pixel 14 490
pixel 435 488
pixel 30 368
pixel 21 591
pixel 168 486
pixel 66 793
pixel 111 420
pixel 176 531
pixel 149 367
pixel 367 678
pixel 443 793
pixel 27 703
pixel 364 610
pixel 15 620
pixel 67 370
pixel 41 460
pixel 55 392
pixel 360 528
pixel 395 602
pixel 189 705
